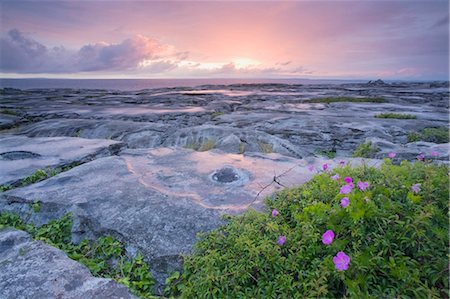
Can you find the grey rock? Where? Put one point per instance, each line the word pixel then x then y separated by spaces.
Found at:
pixel 21 156
pixel 231 144
pixel 158 200
pixel 31 269
pixel 8 121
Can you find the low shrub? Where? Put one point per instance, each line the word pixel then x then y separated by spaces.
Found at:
pixel 381 234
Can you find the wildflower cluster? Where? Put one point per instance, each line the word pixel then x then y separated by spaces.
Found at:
pixel 349 232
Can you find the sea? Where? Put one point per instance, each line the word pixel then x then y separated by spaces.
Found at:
pixel 139 84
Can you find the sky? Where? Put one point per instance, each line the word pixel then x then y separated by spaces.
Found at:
pixel 360 39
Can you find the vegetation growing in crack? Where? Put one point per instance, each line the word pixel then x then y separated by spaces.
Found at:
pixel 266 148
pixel 4 188
pixel 105 257
pixel 207 145
pixel 241 147
pixel 216 114
pixel 436 135
pixel 365 150
pixel 330 154
pixel 396 116
pixel 9 112
pixel 39 175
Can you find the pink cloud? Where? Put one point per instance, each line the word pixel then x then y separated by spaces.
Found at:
pixel 122 56
pixel 21 54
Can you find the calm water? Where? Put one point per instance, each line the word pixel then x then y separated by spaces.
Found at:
pixel 138 84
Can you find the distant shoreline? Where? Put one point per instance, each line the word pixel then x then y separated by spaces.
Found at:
pixel 139 84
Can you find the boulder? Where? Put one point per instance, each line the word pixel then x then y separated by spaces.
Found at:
pixel 31 269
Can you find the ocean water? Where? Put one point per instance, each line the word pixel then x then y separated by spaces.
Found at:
pixel 139 84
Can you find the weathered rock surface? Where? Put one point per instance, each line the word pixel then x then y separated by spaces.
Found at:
pixel 31 269
pixel 274 114
pixel 156 201
pixel 21 156
pixel 155 195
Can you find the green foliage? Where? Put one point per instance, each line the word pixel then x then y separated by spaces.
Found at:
pixel 36 206
pixel 396 116
pixel 207 145
pixel 8 111
pixel 365 150
pixel 105 257
pixel 331 154
pixel 173 286
pixel 37 176
pixel 12 220
pixel 397 241
pixel 241 148
pixel 40 175
pixel 4 188
pixel 414 136
pixel 436 135
pixel 266 148
pixel 346 99
pixel 216 114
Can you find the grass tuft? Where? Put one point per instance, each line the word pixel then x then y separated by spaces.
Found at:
pixel 436 135
pixel 396 116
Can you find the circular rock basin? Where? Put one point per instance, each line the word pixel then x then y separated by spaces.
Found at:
pixel 226 175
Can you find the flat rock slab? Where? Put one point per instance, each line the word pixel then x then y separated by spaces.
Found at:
pixel 156 201
pixel 8 121
pixel 31 269
pixel 21 156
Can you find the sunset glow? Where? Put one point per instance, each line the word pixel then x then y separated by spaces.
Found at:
pixel 225 39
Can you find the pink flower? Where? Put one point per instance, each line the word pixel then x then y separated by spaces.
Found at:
pixel 325 166
pixel 420 157
pixel 281 240
pixel 348 180
pixel 363 185
pixel 415 188
pixel 335 177
pixel 274 213
pixel 342 163
pixel 346 189
pixel 434 153
pixel 311 168
pixel 328 237
pixel 392 155
pixel 341 261
pixel 344 202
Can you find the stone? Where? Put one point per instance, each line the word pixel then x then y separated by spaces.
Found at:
pixel 156 201
pixel 31 269
pixel 21 156
pixel 249 141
